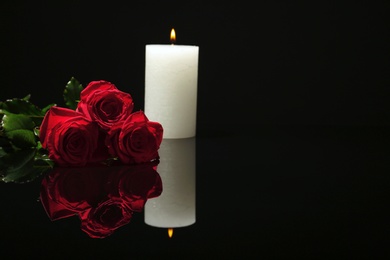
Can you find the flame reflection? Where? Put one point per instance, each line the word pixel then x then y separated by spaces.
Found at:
pixel 170 232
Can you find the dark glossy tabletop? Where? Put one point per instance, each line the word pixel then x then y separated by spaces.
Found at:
pixel 288 191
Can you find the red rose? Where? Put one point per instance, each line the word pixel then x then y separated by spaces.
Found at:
pixel 103 103
pixel 137 140
pixel 70 138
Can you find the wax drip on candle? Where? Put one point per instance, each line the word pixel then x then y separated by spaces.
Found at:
pixel 173 36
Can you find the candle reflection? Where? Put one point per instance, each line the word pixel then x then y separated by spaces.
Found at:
pixel 104 198
pixel 175 207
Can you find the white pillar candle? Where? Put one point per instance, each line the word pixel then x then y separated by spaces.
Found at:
pixel 171 86
pixel 175 207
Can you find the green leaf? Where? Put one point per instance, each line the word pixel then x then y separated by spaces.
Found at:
pixel 19 129
pixel 2 152
pixel 20 106
pixel 22 138
pixel 13 122
pixel 72 93
pixel 46 108
pixel 21 166
pixel 16 159
pixel 36 131
pixel 25 107
pixel 27 97
pixel 43 163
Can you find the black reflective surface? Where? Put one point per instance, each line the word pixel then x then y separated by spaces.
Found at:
pixel 307 192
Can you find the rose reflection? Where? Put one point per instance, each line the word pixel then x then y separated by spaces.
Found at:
pixel 103 197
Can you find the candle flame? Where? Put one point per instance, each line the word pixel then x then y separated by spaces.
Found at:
pixel 173 36
pixel 170 232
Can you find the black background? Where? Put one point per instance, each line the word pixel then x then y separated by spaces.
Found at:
pixel 292 129
pixel 273 62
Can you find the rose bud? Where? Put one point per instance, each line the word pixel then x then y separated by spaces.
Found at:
pixel 102 102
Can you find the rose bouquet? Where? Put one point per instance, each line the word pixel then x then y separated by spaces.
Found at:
pixel 98 125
